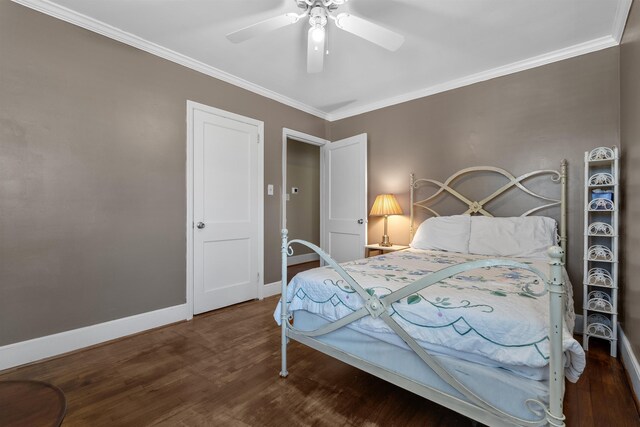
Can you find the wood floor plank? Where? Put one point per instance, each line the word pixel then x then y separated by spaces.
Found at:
pixel 222 368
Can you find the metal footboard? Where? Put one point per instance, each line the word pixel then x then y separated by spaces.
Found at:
pixel 378 308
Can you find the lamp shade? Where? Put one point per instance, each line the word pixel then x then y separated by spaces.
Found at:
pixel 385 204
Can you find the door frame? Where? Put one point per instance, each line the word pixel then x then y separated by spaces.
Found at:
pixel 191 107
pixel 307 139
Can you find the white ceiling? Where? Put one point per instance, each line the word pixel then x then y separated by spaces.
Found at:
pixel 449 43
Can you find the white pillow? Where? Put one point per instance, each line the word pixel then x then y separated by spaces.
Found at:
pixel 444 233
pixel 526 237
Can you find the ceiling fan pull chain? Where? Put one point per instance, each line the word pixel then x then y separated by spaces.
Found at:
pixel 327 43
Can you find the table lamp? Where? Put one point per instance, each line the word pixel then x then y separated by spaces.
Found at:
pixel 385 205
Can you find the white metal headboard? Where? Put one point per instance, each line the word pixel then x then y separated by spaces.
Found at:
pixel 479 206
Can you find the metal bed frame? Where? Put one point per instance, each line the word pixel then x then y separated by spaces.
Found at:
pixel 475 408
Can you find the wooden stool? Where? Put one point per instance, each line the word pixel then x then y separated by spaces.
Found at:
pixel 31 403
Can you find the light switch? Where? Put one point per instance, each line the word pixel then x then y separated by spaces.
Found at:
pixel 270 190
pixel 294 190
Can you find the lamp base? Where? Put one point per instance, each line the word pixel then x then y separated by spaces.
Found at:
pixel 385 241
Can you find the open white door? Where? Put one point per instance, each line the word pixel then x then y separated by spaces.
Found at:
pixel 345 233
pixel 227 208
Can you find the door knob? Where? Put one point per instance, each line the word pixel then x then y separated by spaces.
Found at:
pixel 200 225
pixel 361 221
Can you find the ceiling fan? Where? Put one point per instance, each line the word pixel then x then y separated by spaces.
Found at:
pixel 319 13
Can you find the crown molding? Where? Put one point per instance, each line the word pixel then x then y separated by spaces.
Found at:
pixel 49 8
pixel 88 23
pixel 537 61
pixel 620 19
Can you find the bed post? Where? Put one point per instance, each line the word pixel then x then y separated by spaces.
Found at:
pixel 563 209
pixel 555 416
pixel 411 183
pixel 283 301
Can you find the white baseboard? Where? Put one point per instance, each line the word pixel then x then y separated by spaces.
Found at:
pixel 627 356
pixel 271 289
pixel 630 362
pixel 300 259
pixel 53 345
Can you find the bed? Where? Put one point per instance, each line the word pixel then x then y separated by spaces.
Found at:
pixel 443 322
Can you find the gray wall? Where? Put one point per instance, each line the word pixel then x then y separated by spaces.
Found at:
pixel 521 122
pixel 630 142
pixel 92 174
pixel 92 161
pixel 303 208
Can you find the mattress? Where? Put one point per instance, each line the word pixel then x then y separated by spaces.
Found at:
pixel 507 392
pixel 485 316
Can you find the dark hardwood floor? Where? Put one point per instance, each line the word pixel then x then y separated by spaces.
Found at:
pixel 222 369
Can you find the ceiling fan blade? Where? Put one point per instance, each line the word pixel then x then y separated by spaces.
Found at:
pixel 315 54
pixel 263 27
pixel 369 31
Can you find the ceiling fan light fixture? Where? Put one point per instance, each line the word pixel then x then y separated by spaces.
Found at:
pixel 317 33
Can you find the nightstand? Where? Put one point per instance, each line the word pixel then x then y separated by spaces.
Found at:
pixel 382 249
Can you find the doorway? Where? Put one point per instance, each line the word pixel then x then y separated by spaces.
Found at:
pixel 303 200
pixel 343 193
pixel 302 195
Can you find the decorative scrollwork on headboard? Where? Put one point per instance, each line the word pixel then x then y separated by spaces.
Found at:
pixel 447 188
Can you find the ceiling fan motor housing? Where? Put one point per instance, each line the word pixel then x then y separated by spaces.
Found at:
pixel 318 17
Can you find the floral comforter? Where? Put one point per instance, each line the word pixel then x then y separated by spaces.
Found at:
pixel 485 312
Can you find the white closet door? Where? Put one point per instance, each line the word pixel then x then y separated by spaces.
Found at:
pixel 346 201
pixel 227 217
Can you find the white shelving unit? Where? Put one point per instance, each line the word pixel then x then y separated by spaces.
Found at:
pixel 602 198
